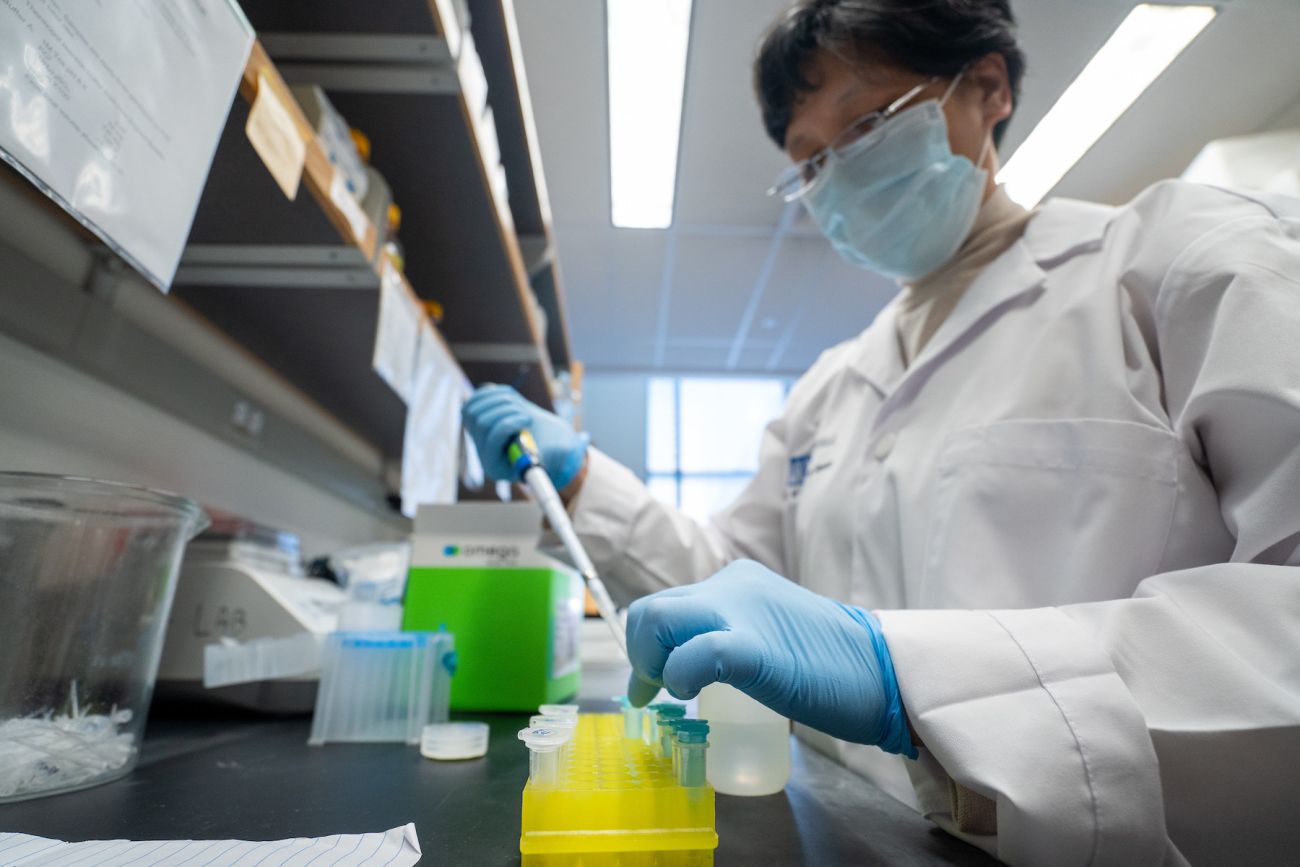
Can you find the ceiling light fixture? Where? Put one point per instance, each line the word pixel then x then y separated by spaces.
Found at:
pixel 1144 45
pixel 647 44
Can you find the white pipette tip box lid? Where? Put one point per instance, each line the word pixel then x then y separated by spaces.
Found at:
pixel 454 741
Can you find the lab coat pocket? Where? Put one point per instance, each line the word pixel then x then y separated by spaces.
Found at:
pixel 1032 513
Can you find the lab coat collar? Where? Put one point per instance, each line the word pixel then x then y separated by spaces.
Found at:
pixel 878 358
pixel 1062 229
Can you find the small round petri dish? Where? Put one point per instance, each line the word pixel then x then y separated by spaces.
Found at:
pixel 454 741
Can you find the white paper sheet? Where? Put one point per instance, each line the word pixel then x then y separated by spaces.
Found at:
pixel 431 446
pixel 397 337
pixel 398 847
pixel 115 110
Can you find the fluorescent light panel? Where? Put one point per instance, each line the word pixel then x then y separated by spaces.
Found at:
pixel 647 76
pixel 1143 46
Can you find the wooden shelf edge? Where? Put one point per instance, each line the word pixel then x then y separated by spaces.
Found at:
pixel 318 172
pixel 525 104
pixel 504 221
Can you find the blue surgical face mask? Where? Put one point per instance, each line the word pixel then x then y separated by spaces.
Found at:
pixel 898 200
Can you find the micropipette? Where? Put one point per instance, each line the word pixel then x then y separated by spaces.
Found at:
pixel 524 457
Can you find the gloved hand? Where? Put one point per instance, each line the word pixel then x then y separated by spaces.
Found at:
pixel 806 657
pixel 495 414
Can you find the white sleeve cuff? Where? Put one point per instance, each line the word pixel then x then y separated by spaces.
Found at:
pixel 1024 708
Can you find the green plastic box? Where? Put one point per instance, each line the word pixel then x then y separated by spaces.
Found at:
pixel 516 613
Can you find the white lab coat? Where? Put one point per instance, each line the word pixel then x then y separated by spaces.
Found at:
pixel 1095 465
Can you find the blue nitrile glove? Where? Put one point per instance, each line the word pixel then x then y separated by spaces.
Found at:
pixel 806 657
pixel 495 414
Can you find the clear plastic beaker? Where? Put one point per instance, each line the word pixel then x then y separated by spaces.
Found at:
pixel 87 574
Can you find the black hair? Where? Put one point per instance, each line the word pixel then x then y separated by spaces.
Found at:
pixel 929 37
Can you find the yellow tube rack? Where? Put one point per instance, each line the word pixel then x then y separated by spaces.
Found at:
pixel 617 805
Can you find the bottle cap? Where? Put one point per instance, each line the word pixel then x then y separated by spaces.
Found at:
pixel 668 710
pixel 543 740
pixel 361 142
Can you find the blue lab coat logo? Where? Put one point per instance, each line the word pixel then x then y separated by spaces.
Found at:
pixel 798 470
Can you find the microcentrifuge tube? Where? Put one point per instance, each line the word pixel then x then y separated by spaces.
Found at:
pixel 544 746
pixel 673 725
pixel 632 718
pixel 692 741
pixel 666 714
pixel 649 725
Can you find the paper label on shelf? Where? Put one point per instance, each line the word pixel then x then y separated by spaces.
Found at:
pixel 489 144
pixel 397 336
pixel 398 847
pixel 451 26
pixel 348 205
pixel 431 446
pixel 473 81
pixel 115 110
pixel 274 135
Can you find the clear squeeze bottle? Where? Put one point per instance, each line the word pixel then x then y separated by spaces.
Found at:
pixel 749 744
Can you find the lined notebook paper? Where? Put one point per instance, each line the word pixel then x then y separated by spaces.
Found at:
pixel 398 847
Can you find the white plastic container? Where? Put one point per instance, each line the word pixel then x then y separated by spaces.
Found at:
pixel 749 744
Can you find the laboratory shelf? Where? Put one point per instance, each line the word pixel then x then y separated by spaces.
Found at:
pixel 241 204
pixel 496 35
pixel 254 778
pixel 468 247
pixel 290 281
pixel 293 284
pixel 321 341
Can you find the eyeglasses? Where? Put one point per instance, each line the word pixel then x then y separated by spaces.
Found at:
pixel 800 177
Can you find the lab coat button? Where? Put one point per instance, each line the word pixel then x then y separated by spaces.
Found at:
pixel 885 446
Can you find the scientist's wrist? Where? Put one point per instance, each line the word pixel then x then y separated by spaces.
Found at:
pixel 572 489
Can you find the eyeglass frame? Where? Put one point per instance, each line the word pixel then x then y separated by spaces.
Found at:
pixel 839 144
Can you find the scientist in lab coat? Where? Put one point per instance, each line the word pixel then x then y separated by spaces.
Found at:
pixel 1035 533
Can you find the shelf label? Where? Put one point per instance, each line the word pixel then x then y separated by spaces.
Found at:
pixel 348 205
pixel 274 135
pixel 115 110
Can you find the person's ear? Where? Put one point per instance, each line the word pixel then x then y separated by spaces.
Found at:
pixel 993 87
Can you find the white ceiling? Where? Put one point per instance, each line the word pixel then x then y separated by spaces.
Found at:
pixel 739 283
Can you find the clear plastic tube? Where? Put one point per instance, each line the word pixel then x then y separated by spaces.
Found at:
pixel 649 726
pixel 545 754
pixel 665 713
pixel 633 719
pixel 691 742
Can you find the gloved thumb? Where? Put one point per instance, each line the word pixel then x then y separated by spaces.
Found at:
pixel 640 692
pixel 722 656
